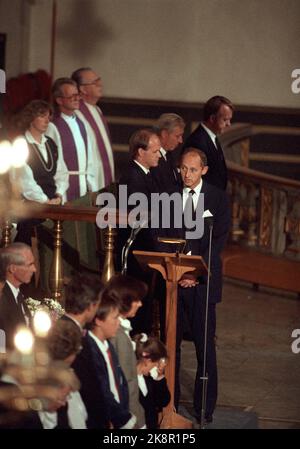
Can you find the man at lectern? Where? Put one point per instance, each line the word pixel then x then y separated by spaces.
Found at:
pixel 193 291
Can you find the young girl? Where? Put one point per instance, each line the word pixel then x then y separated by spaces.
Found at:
pixel 151 356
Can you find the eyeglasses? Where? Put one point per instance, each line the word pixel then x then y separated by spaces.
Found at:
pixel 70 97
pixel 91 83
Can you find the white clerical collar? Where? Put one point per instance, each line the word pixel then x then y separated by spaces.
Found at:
pixel 210 133
pixel 31 139
pixel 145 170
pixel 68 118
pixel 196 189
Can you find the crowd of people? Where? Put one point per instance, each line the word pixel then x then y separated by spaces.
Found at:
pixel 104 337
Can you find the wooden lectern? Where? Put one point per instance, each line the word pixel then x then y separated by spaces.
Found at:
pixel 172 266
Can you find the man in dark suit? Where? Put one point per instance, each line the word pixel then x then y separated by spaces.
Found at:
pixel 82 297
pixel 18 262
pixel 217 115
pixel 170 128
pixel 192 292
pixel 104 388
pixel 144 148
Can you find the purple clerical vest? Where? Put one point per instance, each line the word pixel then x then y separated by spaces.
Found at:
pixel 70 153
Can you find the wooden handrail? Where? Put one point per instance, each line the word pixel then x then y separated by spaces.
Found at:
pixel 59 214
pixel 255 175
pixel 63 213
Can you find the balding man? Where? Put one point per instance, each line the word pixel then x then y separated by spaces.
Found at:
pixel 19 266
pixel 90 88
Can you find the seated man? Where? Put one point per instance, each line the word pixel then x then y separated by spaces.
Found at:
pixel 18 264
pixel 82 297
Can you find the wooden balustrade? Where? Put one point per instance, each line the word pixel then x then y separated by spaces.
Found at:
pixel 59 214
pixel 264 243
pixel 265 225
pixel 265 211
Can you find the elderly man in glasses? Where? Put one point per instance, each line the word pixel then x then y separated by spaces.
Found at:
pixel 72 138
pixel 90 88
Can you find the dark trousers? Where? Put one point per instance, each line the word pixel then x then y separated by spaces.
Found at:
pixel 191 311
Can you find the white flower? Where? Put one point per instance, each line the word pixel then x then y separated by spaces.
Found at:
pixel 49 305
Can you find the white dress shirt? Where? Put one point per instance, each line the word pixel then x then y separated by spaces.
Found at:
pixel 163 153
pixel 145 170
pixel 24 175
pixel 185 195
pixel 211 135
pixel 77 414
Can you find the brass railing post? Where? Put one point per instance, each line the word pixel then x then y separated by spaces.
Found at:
pixel 6 233
pixel 108 268
pixel 56 268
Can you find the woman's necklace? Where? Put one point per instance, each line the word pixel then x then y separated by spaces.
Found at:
pixel 50 164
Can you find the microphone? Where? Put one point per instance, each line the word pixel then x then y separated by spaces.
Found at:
pixel 173 241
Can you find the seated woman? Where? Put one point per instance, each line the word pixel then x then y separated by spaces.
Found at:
pixel 129 292
pixel 151 356
pixel 44 178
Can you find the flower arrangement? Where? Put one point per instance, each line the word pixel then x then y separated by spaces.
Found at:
pixel 49 305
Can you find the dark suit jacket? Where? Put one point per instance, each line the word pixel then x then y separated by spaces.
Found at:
pixel 102 408
pixel 217 170
pixel 158 397
pixel 10 315
pixel 137 181
pixel 166 175
pixel 216 201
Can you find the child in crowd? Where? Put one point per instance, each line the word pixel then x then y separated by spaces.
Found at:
pixel 151 356
pixel 104 387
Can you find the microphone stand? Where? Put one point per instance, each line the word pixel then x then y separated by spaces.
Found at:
pixel 204 377
pixel 127 246
pixel 125 252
